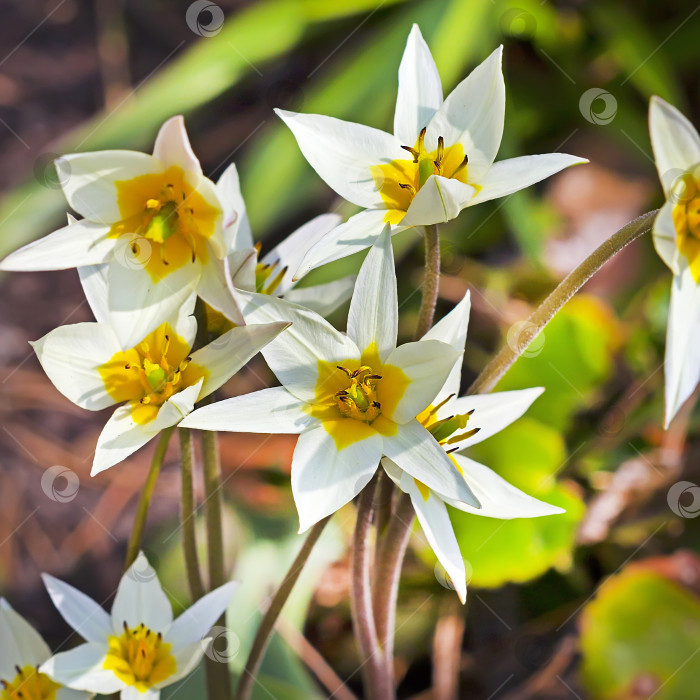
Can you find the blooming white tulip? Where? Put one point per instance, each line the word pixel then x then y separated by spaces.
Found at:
pixel 157 381
pixel 352 398
pixel 22 651
pixel 155 220
pixel 275 273
pixel 676 237
pixel 138 649
pixel 439 160
pixel 458 423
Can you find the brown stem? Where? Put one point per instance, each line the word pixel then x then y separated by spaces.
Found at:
pixel 431 281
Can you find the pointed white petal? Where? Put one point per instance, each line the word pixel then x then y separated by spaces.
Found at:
pixel 88 180
pixel 472 114
pixel 497 497
pixel 70 356
pixel 82 669
pixel 374 308
pixel 291 251
pixel 173 147
pixel 324 478
pixel 236 225
pixel 196 621
pixel 79 243
pixel 343 153
pixel 417 452
pixel 682 364
pixel 427 363
pixel 439 200
pixel 356 234
pixel 140 599
pixel 324 299
pixel 94 279
pixel 675 142
pixel 272 410
pixel 420 89
pixel 20 644
pixel 492 412
pixel 242 264
pixel 223 357
pixel 508 176
pixel 664 237
pixel 215 289
pixel 294 355
pixel 81 612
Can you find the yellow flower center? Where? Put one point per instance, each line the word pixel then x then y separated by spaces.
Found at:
pixel 399 180
pixel 166 222
pixel 140 658
pixel 29 684
pixel 150 373
pixel 354 399
pixel 686 219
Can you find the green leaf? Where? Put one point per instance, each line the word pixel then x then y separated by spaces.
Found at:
pixel 528 454
pixel 641 628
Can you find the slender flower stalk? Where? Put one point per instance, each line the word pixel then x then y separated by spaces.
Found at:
pixel 267 624
pixel 146 494
pixel 431 282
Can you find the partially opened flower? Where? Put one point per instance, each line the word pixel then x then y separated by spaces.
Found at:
pixel 274 273
pixel 458 423
pixel 353 398
pixel 22 651
pixel 439 160
pixel 676 234
pixel 155 220
pixel 155 383
pixel 138 648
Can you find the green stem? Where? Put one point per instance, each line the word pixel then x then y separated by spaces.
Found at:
pixel 146 494
pixel 187 515
pixel 543 314
pixel 431 281
pixel 267 624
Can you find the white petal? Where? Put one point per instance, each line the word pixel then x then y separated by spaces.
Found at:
pixel 682 364
pixel 324 478
pixel 82 669
pixel 664 237
pixel 492 412
pixel 138 305
pixel 324 299
pixel 173 147
pixel 94 279
pixel 236 225
pixel 417 452
pixel 81 612
pixel 675 142
pixel 294 355
pixel 343 153
pixel 70 356
pixel 508 176
pixel 473 114
pixel 140 599
pixel 131 693
pixel 215 289
pixel 427 363
pixel 20 644
pixel 79 243
pixel 420 89
pixel 88 180
pixel 291 251
pixel 439 200
pixel 223 357
pixel 374 309
pixel 196 621
pixel 272 410
pixel 356 234
pixel 497 497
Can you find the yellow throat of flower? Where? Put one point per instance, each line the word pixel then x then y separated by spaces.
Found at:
pixel 140 658
pixel 165 222
pixel 29 684
pixel 686 219
pixel 399 181
pixel 150 373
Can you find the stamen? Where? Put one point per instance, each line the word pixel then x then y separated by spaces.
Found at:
pixel 345 369
pixel 435 409
pixel 415 153
pixel 461 436
pixel 407 186
pixel 461 166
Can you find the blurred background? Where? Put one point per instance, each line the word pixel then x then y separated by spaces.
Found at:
pixel 602 602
